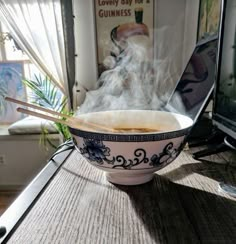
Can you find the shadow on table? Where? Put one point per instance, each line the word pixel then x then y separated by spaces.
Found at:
pixel 174 213
pixel 218 172
pixel 170 212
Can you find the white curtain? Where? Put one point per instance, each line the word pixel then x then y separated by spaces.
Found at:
pixel 36 25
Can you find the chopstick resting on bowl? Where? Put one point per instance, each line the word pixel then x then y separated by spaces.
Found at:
pixel 73 122
pixel 30 105
pixel 44 116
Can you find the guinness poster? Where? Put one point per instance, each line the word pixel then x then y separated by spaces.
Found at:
pixel 116 22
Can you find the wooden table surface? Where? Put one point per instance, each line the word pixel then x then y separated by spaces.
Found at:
pixel 182 204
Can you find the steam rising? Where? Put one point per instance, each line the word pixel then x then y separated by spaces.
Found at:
pixel 135 82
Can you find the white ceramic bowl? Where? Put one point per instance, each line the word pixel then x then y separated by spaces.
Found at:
pixel 131 158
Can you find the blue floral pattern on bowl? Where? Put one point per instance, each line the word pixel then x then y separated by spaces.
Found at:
pixel 96 151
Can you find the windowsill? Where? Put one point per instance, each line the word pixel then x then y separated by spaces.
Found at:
pixel 4 130
pixel 28 128
pixel 4 135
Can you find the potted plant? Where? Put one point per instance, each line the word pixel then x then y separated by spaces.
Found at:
pixel 45 94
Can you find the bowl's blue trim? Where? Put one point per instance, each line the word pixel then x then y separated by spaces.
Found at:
pixel 130 137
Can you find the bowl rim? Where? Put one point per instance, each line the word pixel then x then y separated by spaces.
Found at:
pixel 144 137
pixel 134 137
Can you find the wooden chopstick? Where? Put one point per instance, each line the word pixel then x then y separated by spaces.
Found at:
pixel 30 105
pixel 74 120
pixel 71 123
pixel 43 116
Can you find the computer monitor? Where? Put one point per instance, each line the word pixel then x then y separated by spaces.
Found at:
pixel 224 108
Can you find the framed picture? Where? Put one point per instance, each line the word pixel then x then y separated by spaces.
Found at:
pixel 11 74
pixel 116 22
pixel 209 18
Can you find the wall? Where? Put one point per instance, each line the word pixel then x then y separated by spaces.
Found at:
pixel 175 36
pixel 86 70
pixel 176 29
pixel 23 159
pixel 190 28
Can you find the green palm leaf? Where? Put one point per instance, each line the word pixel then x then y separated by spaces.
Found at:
pixel 45 94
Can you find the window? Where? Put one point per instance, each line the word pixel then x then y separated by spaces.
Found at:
pixel 14 65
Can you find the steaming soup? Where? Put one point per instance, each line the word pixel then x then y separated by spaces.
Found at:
pixel 133 121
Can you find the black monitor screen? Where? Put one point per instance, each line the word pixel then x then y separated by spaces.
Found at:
pixel 224 110
pixel 197 81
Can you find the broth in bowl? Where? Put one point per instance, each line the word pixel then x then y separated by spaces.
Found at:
pixel 134 130
pixel 133 121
